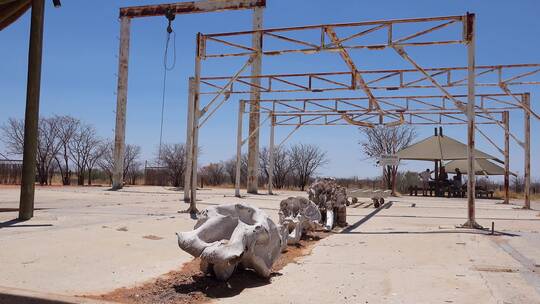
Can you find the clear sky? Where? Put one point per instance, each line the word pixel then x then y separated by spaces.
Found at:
pixel 80 63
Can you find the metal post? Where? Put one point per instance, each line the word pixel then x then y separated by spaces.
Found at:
pixel 241 109
pixel 189 142
pixel 195 126
pixel 527 148
pixel 255 95
pixel 271 156
pixel 31 118
pixel 121 103
pixel 471 182
pixel 506 122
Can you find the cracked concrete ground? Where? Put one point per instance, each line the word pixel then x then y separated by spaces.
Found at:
pixel 87 240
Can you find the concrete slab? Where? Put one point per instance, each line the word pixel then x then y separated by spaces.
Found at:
pixel 90 241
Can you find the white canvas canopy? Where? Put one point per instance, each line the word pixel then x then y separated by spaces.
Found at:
pixel 439 148
pixel 481 167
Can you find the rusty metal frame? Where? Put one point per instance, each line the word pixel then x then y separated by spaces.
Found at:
pixel 461 112
pixel 389 80
pixel 126 14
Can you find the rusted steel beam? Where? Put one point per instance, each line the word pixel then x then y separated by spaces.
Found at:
pixel 469 35
pixel 190 7
pixel 506 122
pixel 189 140
pixel 350 24
pixel 344 81
pixel 350 63
pixel 239 128
pixel 255 95
pixel 527 150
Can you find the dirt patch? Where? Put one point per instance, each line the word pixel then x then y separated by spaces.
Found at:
pixel 152 237
pixel 190 285
pixel 495 269
pixel 124 228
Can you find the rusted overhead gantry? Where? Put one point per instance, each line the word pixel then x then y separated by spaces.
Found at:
pixel 412 110
pixel 128 13
pixel 329 40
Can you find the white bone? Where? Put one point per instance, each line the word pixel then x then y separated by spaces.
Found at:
pixel 298 215
pixel 228 235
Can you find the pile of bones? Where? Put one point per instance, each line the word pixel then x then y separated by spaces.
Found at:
pixel 232 236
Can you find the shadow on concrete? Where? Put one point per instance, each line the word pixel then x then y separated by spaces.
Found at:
pixel 459 218
pixel 367 218
pixel 13 224
pixel 17 209
pixel 461 231
pixel 18 299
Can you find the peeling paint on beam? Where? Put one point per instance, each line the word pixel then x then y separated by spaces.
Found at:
pixel 190 7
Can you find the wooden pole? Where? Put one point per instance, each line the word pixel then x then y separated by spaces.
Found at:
pixel 241 109
pixel 271 156
pixel 121 104
pixel 189 142
pixel 527 148
pixel 31 118
pixel 255 96
pixel 506 122
pixel 471 182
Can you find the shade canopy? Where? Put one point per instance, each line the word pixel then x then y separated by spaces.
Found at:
pixel 439 148
pixel 481 167
pixel 11 10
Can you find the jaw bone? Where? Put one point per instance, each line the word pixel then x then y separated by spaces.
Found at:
pixel 226 236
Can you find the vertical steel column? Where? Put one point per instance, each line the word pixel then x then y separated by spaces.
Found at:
pixel 271 156
pixel 471 182
pixel 527 148
pixel 31 116
pixel 189 142
pixel 255 95
pixel 506 122
pixel 121 104
pixel 241 109
pixel 195 125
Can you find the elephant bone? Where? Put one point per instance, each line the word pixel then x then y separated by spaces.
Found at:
pixel 298 215
pixel 226 236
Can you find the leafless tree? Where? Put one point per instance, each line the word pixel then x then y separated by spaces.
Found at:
pixel 173 157
pixel 282 165
pixel 106 162
pixel 81 147
pixel 13 136
pixel 67 128
pixel 387 140
pixel 48 147
pixel 518 183
pixel 95 156
pixel 305 160
pixel 132 165
pixel 230 169
pixel 213 174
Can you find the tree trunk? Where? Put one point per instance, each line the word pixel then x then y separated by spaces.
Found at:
pixel 89 177
pixel 80 178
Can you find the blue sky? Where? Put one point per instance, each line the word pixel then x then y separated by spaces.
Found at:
pixel 80 63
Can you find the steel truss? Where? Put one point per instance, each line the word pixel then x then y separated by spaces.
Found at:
pixel 451 108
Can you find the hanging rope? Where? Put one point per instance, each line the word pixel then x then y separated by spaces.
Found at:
pixel 171 35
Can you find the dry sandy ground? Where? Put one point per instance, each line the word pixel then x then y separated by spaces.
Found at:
pixel 90 241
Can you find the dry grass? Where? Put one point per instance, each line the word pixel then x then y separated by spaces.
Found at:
pixel 515 195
